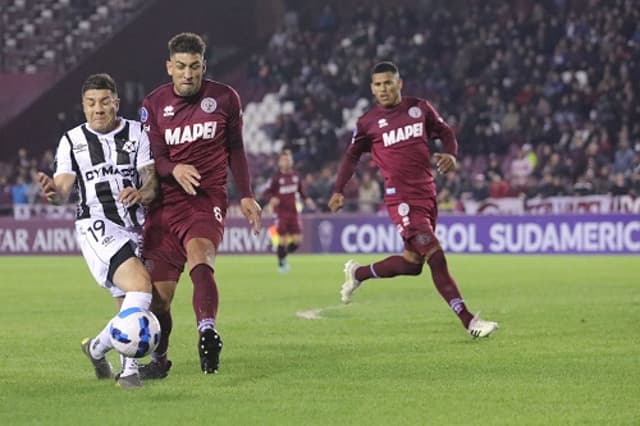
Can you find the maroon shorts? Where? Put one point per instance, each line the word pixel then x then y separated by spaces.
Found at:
pixel 289 225
pixel 416 222
pixel 168 228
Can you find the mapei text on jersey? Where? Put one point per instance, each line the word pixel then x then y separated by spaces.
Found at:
pixel 190 133
pixel 403 133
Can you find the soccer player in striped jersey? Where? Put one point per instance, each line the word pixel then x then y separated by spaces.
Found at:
pixel 195 130
pixel 108 160
pixel 395 132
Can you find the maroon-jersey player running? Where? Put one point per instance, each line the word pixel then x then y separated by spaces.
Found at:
pixel 282 194
pixel 395 132
pixel 195 130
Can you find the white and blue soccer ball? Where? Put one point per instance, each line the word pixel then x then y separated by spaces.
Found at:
pixel 135 332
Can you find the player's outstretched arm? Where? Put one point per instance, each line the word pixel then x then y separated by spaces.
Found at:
pixel 56 190
pixel 336 201
pixel 252 211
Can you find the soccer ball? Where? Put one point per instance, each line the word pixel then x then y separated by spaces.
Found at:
pixel 134 332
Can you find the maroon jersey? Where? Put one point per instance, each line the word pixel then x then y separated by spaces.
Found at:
pixel 203 130
pixel 285 186
pixel 397 140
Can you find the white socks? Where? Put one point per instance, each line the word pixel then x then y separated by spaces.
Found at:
pixel 136 299
pixel 102 343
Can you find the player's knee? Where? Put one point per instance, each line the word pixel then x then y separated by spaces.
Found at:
pixel 424 244
pixel 163 292
pixel 414 268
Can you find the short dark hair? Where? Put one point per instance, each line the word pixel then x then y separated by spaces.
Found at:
pixel 385 66
pixel 286 151
pixel 186 43
pixel 99 82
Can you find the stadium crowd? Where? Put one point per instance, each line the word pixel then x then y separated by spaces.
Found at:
pixel 543 95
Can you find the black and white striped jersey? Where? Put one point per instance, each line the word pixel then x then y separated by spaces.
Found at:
pixel 105 164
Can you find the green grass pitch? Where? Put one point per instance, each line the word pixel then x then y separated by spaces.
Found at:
pixel 567 352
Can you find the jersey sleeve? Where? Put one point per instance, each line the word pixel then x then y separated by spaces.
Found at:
pixel 302 190
pixel 144 156
pixel 237 157
pixel 273 189
pixel 159 149
pixel 360 143
pixel 234 122
pixel 63 164
pixel 439 129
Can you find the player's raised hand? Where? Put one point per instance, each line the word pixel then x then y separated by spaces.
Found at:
pixel 252 211
pixel 336 202
pixel 47 187
pixel 445 162
pixel 187 177
pixel 129 196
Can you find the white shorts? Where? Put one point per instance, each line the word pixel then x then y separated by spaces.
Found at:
pixel 99 240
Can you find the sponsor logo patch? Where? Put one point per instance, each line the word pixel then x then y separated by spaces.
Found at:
pixel 168 111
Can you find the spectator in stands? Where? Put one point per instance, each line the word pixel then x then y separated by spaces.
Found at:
pixel 5 196
pixel 20 191
pixel 498 187
pixel 446 203
pixel 624 157
pixel 558 75
pixel 521 168
pixel 369 194
pixel 619 185
pixel 583 186
pixel 549 186
pixel 479 188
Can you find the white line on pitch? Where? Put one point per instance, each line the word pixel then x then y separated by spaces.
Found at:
pixel 315 314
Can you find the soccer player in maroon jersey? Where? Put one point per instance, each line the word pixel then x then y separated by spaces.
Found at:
pixel 195 129
pixel 282 192
pixel 395 132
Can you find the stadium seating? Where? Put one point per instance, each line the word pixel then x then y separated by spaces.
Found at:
pixel 556 77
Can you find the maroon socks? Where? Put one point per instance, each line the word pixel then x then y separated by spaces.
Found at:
pixel 205 296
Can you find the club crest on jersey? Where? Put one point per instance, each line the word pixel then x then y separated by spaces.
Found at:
pixel 144 115
pixel 415 112
pixel 208 105
pixel 168 111
pixel 382 123
pixel 129 146
pixel 403 209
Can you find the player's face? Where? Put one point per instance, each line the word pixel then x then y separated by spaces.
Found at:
pixel 386 87
pixel 186 71
pixel 100 108
pixel 285 162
